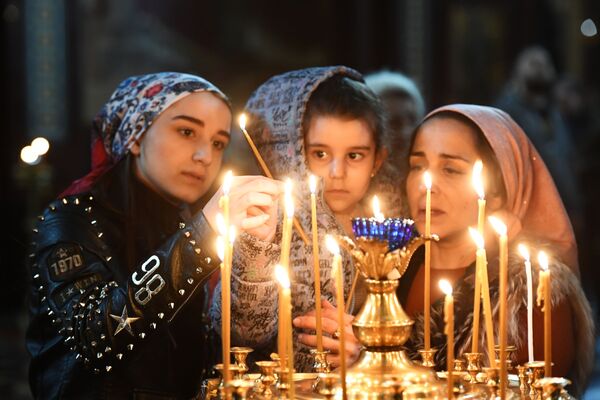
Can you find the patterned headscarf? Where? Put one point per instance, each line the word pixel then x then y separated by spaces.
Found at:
pixel 130 111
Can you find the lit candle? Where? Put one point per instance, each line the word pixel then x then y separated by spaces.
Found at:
pixel 286 351
pixel 312 183
pixel 225 303
pixel 446 288
pixel 427 295
pixel 478 186
pixel 338 275
pixel 286 238
pixel 377 210
pixel 500 228
pixel 544 295
pixel 525 254
pixel 481 265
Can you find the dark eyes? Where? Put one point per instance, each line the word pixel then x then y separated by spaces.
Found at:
pixel 186 132
pixel 321 155
pixel 219 145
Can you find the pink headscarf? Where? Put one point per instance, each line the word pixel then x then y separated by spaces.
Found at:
pixel 533 205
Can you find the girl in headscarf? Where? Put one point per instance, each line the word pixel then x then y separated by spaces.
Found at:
pixel 327 122
pixel 521 192
pixel 118 262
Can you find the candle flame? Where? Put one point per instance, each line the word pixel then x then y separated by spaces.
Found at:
pixel 377 209
pixel 227 182
pixel 332 245
pixel 427 179
pixel 220 221
pixel 220 245
pixel 523 251
pixel 477 179
pixel 282 277
pixel 232 234
pixel 445 286
pixel 312 184
pixel 543 260
pixel 242 121
pixel 477 238
pixel 498 225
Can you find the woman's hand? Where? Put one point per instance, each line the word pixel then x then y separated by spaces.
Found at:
pixel 253 202
pixel 329 323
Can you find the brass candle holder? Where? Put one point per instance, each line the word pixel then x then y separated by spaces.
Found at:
pixel 427 359
pixel 267 377
pixel 328 384
pixel 240 354
pixel 473 366
pixel 239 388
pixel 523 385
pixel 321 365
pixel 536 371
pixel 382 326
pixel 283 384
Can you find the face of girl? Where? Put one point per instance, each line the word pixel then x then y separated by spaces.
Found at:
pixel 447 148
pixel 181 153
pixel 343 153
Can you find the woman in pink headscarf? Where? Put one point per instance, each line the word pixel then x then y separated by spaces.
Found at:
pixel 519 190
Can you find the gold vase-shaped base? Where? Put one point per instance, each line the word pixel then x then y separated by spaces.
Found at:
pixel 383 370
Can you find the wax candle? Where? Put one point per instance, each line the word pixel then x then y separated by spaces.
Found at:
pixel 481 259
pixel 478 186
pixel 544 294
pixel 286 352
pixel 525 254
pixel 501 229
pixel 446 288
pixel 312 183
pixel 338 275
pixel 286 238
pixel 225 309
pixel 224 201
pixel 427 294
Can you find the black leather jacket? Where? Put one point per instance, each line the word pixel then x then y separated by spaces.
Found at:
pixel 118 296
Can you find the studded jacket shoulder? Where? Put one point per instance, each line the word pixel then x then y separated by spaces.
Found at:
pixel 118 307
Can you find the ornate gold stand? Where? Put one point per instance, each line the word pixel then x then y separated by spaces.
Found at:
pixel 383 370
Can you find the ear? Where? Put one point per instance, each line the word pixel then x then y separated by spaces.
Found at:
pixel 135 148
pixel 380 157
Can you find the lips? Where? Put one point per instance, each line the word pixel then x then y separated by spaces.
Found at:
pixel 336 192
pixel 194 175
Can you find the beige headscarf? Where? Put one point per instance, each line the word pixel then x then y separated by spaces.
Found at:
pixel 533 205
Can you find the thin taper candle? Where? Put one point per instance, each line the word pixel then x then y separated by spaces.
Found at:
pixel 316 269
pixel 544 294
pixel 481 259
pixel 427 294
pixel 478 186
pixel 225 308
pixel 338 273
pixel 285 323
pixel 501 229
pixel 528 273
pixel 449 331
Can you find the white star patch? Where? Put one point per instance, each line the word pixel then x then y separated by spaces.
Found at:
pixel 124 322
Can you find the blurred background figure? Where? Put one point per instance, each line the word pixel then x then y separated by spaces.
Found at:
pixel 529 99
pixel 405 107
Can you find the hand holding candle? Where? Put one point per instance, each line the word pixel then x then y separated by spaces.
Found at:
pixel 312 182
pixel 525 254
pixel 544 295
pixel 427 295
pixel 446 288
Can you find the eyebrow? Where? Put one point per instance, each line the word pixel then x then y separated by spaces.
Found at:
pixel 442 155
pixel 366 148
pixel 199 122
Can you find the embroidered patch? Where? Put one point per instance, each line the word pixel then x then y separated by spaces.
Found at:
pixel 64 261
pixel 65 294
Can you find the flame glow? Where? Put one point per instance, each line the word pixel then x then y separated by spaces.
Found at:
pixel 227 182
pixel 477 238
pixel 427 179
pixel 543 260
pixel 377 209
pixel 282 277
pixel 220 221
pixel 220 245
pixel 232 234
pixel 523 251
pixel 332 245
pixel 477 179
pixel 498 225
pixel 312 184
pixel 242 121
pixel 445 286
